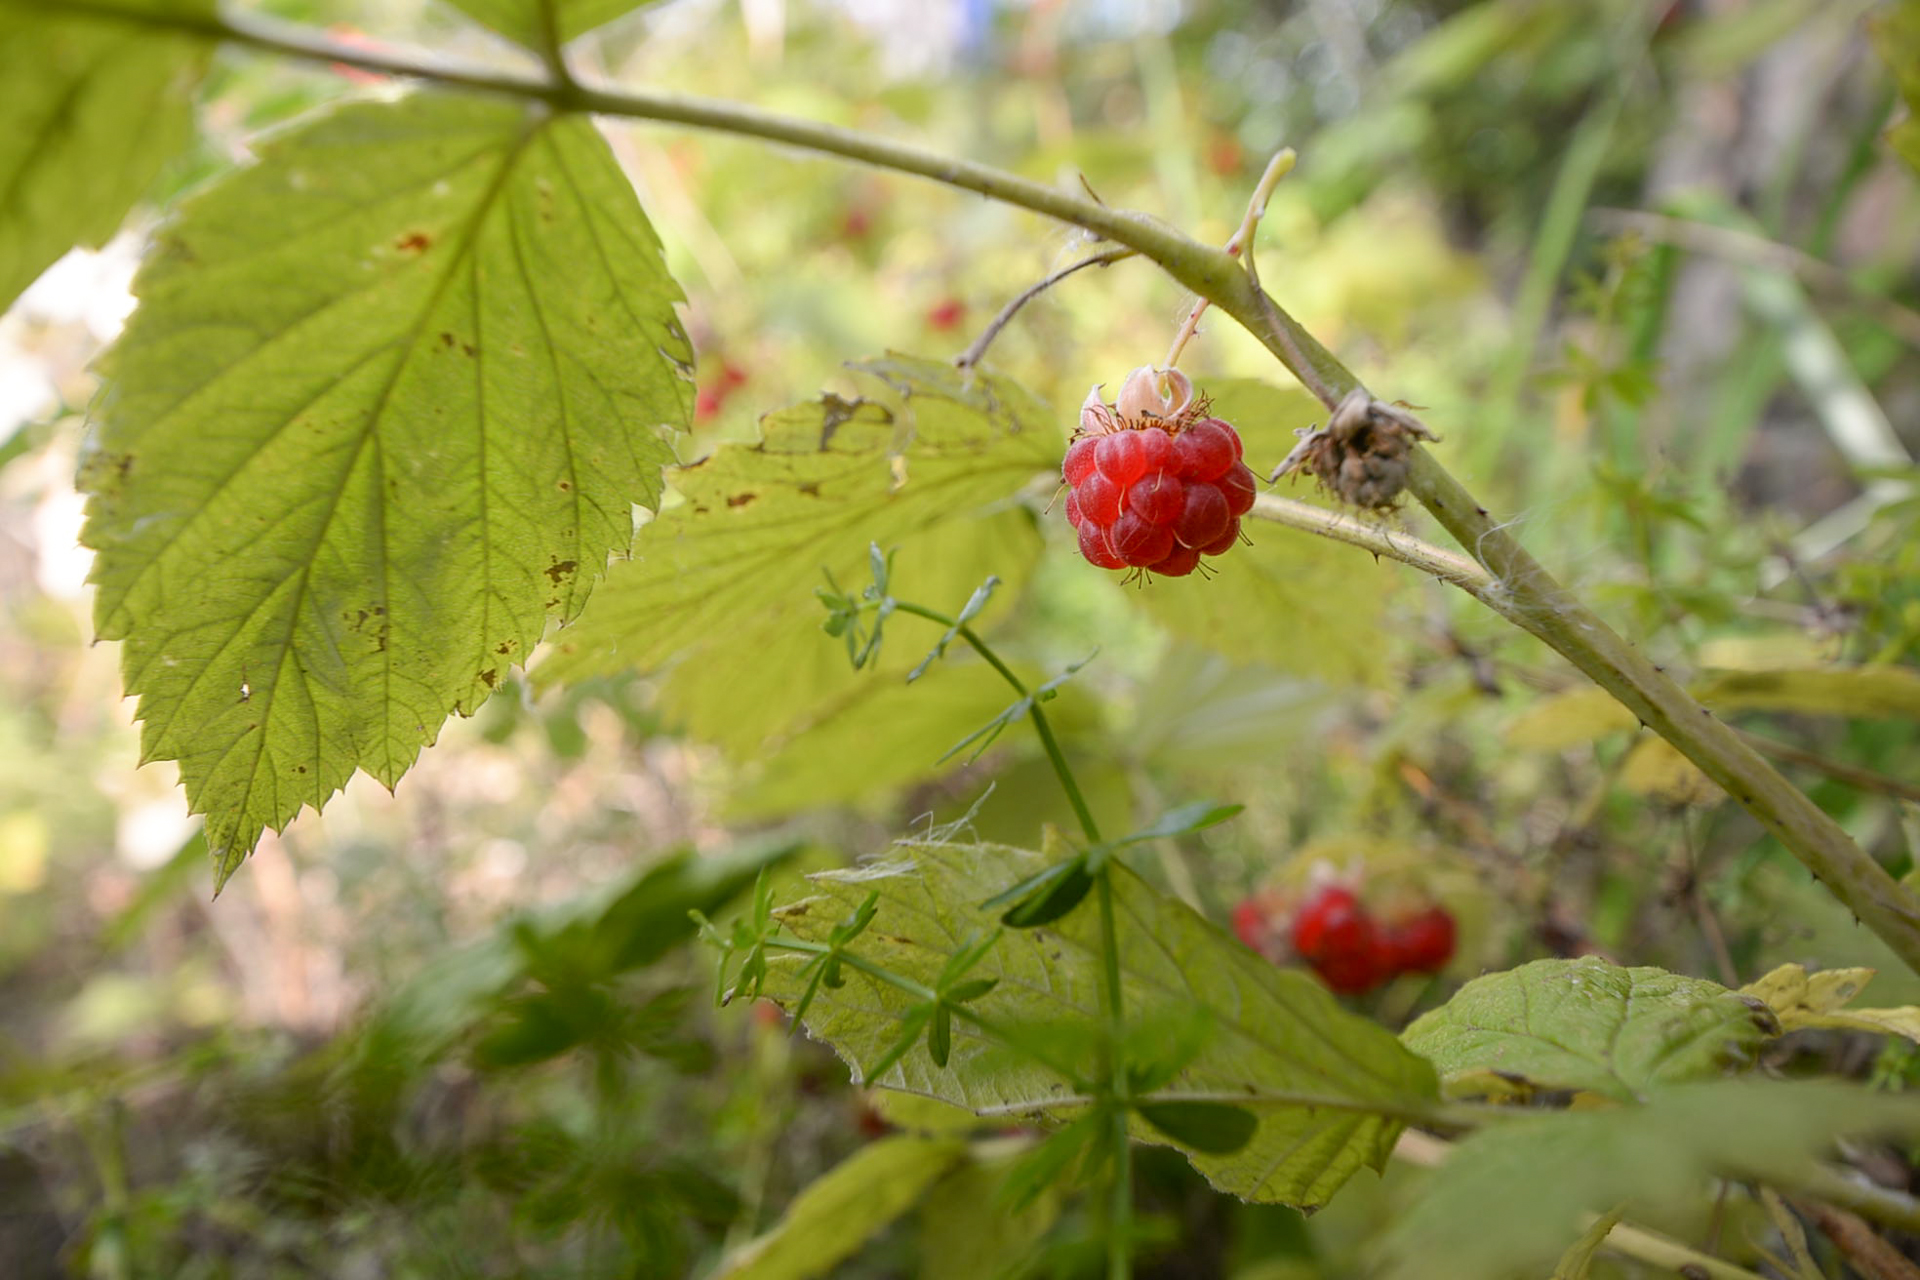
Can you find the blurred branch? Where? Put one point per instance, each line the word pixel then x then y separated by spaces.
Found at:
pixel 977 351
pixel 1755 250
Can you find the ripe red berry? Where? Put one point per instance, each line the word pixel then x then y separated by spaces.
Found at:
pixel 946 314
pixel 1099 499
pixel 1079 461
pixel 1120 457
pixel 1330 918
pixel 1177 563
pixel 1156 449
pixel 1138 543
pixel 1157 497
pixel 1238 486
pixel 1074 517
pixel 1421 943
pixel 1224 543
pixel 1352 972
pixel 1203 515
pixel 1207 450
pixel 1250 924
pixel 1098 548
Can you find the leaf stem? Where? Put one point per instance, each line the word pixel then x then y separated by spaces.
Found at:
pixel 1534 598
pixel 1120 1205
pixel 1055 756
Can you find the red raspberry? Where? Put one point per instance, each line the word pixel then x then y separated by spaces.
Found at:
pixel 1238 486
pixel 1330 917
pixel 1079 463
pixel 1207 450
pixel 1224 543
pixel 1099 500
pixel 1120 457
pixel 1334 933
pixel 1203 515
pixel 1156 482
pixel 1157 497
pixel 1138 543
pixel 1421 943
pixel 1177 563
pixel 1098 548
pixel 1250 923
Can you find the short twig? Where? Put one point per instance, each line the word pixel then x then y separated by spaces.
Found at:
pixel 1240 245
pixel 1866 1251
pixel 974 354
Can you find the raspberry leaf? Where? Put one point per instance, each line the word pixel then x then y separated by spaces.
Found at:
pixel 93 108
pixel 1592 1026
pixel 925 472
pixel 1324 1086
pixel 521 22
pixel 383 412
pixel 1211 1127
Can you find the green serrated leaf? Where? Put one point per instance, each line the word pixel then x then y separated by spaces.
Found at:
pixel 715 585
pixel 523 22
pixel 381 413
pixel 829 1221
pixel 1588 1025
pixel 1511 1198
pixel 1288 600
pixel 1212 1127
pixel 93 108
pixel 1325 1085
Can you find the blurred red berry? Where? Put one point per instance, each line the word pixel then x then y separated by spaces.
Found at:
pixel 1423 942
pixel 706 404
pixel 946 314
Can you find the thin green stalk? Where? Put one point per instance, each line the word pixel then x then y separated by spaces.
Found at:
pixel 1550 612
pixel 1039 718
pixel 1120 1205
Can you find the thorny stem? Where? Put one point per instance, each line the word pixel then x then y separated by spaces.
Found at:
pixel 1542 605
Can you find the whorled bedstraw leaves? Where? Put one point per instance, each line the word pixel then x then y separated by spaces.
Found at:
pixel 384 409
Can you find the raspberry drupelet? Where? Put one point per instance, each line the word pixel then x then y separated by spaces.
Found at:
pixel 1153 482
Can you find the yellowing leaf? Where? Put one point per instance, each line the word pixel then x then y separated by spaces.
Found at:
pixel 829 1221
pixel 1656 768
pixel 93 107
pixel 722 585
pixel 383 411
pixel 1866 692
pixel 1328 1087
pixel 1569 719
pixel 1801 999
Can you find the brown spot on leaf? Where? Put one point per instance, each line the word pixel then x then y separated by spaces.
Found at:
pixel 505 647
pixel 490 676
pixel 559 571
pixel 741 499
pixel 414 242
pixel 566 486
pixel 811 489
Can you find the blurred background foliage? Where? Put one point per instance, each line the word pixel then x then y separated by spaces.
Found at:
pixel 1650 268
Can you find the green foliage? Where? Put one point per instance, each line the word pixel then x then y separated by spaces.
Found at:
pixel 835 1215
pixel 1512 1197
pixel 1896 33
pixel 1591 1026
pixel 1329 1089
pixel 721 582
pixel 94 108
pixel 382 412
pixel 1283 600
pixel 522 21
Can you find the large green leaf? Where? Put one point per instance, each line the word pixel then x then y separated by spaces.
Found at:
pixel 382 412
pixel 1289 600
pixel 523 22
pixel 1586 1024
pixel 1511 1198
pixel 722 584
pixel 1326 1085
pixel 92 109
pixel 832 1218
